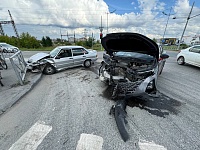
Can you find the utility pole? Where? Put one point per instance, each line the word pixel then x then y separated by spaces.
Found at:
pixel 85 33
pixel 101 30
pixel 107 17
pixel 8 22
pixel 74 37
pixel 166 23
pixel 188 18
pixel 13 24
pixel 61 35
pixel 92 40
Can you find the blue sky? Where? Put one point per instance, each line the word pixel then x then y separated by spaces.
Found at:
pixel 128 6
pixel 55 17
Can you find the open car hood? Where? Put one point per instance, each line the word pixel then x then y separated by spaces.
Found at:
pixel 129 42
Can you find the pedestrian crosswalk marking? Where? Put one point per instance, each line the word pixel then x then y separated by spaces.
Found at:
pixel 32 138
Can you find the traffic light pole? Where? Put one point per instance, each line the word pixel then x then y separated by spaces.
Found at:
pixel 101 30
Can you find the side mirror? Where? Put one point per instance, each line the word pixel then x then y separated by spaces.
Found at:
pixel 164 56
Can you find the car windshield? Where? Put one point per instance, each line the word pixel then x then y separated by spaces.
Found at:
pixel 54 52
pixel 136 56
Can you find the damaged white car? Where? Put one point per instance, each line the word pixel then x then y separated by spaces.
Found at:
pixel 62 57
pixel 131 64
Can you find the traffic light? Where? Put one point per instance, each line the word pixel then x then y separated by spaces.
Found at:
pixel 101 35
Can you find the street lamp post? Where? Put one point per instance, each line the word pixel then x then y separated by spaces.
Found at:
pixel 167 22
pixel 107 17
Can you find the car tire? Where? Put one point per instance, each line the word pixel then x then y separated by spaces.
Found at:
pixel 5 51
pixel 181 60
pixel 87 63
pixel 14 50
pixel 4 65
pixel 49 69
pixel 161 70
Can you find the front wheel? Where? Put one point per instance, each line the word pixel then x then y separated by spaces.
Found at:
pixel 3 64
pixel 87 63
pixel 49 69
pixel 5 51
pixel 181 60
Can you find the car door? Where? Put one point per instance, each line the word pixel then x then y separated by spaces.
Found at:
pixel 193 56
pixel 197 56
pixel 64 59
pixel 78 56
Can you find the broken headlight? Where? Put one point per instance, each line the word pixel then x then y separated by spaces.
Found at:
pixel 151 85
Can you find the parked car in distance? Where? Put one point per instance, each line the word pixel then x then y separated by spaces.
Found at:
pixel 7 48
pixel 62 57
pixel 190 55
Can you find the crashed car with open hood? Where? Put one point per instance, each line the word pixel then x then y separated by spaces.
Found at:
pixel 132 63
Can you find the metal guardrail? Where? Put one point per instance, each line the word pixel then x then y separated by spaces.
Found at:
pixel 19 65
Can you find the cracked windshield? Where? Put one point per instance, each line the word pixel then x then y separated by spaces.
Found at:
pixel 99 75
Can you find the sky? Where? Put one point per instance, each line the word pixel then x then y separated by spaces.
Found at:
pixel 152 18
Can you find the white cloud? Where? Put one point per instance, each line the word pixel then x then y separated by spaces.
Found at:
pixel 49 16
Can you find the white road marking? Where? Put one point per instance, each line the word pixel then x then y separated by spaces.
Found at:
pixel 145 145
pixel 32 138
pixel 89 142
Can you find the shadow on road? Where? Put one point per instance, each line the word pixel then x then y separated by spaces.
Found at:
pixel 161 106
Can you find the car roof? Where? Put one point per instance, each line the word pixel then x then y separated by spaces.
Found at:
pixel 70 47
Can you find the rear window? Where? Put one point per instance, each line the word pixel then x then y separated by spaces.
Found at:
pixel 78 51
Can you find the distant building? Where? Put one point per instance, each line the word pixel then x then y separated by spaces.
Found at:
pixel 195 40
pixel 71 39
pixel 168 41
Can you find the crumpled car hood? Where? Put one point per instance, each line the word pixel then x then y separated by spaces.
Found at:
pixel 37 57
pixel 129 42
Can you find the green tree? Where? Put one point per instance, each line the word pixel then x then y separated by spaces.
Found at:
pixel 43 42
pixel 46 41
pixel 28 41
pixel 154 40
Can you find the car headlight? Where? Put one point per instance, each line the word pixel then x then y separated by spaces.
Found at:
pixel 30 60
pixel 151 85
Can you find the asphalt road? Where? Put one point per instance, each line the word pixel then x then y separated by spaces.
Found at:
pixel 75 101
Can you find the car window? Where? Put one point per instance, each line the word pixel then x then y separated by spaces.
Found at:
pixel 78 51
pixel 195 49
pixel 65 53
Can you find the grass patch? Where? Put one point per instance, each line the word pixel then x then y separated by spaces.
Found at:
pixel 38 49
pixel 96 47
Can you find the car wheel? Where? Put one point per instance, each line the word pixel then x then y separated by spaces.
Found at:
pixel 87 63
pixel 14 50
pixel 181 60
pixel 161 69
pixel 49 69
pixel 3 64
pixel 4 51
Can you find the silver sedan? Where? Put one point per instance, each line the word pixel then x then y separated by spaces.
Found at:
pixel 62 57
